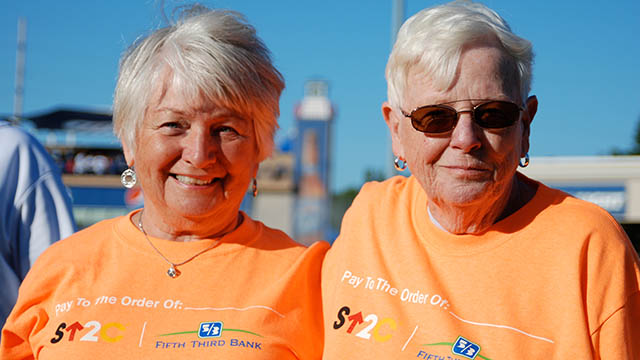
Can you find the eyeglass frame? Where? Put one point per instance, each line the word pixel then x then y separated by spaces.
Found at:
pixel 471 112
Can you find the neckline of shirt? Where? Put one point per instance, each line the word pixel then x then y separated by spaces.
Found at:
pixel 177 251
pixel 434 237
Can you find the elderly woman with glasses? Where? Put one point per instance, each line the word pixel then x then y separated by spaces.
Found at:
pixel 468 258
pixel 189 276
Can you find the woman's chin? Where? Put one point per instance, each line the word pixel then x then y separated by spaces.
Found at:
pixel 200 207
pixel 469 194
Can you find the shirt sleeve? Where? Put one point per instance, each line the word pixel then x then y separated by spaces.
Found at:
pixel 619 335
pixel 46 216
pixel 41 201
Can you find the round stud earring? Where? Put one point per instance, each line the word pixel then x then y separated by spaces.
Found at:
pixel 128 178
pixel 399 164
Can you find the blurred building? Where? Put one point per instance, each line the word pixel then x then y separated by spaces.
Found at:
pixel 314 116
pixel 275 202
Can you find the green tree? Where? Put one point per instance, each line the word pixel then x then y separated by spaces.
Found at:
pixel 374 175
pixel 635 148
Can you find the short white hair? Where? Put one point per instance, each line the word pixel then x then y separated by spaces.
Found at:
pixel 433 40
pixel 210 54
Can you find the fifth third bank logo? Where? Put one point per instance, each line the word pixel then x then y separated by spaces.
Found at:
pixel 466 348
pixel 211 329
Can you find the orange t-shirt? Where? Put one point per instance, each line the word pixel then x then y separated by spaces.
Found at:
pixel 558 279
pixel 103 293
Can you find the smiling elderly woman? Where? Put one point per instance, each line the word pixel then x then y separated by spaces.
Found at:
pixel 467 258
pixel 188 276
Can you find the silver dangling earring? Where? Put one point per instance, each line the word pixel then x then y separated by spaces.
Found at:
pixel 255 187
pixel 400 164
pixel 524 163
pixel 128 178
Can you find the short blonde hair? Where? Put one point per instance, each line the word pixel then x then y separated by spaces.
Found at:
pixel 213 54
pixel 433 40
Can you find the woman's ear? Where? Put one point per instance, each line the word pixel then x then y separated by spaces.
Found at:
pixel 527 118
pixel 390 115
pixel 531 110
pixel 128 154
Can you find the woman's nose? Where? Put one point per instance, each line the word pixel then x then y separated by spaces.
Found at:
pixel 466 134
pixel 199 148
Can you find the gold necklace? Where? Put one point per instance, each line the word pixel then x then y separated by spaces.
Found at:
pixel 173 271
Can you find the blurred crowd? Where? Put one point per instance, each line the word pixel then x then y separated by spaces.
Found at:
pixel 89 162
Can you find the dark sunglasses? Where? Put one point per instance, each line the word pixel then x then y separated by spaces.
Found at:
pixel 442 118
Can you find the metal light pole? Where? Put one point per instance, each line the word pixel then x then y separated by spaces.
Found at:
pixel 397 18
pixel 18 98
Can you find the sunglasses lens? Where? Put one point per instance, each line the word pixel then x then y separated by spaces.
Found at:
pixel 497 114
pixel 440 119
pixel 434 119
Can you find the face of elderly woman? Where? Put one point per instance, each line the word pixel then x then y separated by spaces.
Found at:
pixel 193 160
pixel 469 165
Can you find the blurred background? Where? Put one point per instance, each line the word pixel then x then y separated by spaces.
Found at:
pixel 60 61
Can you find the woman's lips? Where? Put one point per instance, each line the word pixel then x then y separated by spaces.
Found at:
pixel 466 171
pixel 188 180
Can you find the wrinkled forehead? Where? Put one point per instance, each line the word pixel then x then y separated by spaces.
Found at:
pixel 482 59
pixel 171 91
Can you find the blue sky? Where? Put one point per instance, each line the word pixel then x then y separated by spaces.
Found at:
pixel 586 72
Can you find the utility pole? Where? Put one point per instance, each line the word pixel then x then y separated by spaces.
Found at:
pixel 18 98
pixel 397 18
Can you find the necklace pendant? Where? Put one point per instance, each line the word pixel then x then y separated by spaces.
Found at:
pixel 173 272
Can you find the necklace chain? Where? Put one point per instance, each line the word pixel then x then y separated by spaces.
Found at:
pixel 173 271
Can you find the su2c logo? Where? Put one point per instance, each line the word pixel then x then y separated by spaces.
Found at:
pixel 381 330
pixel 109 332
